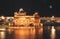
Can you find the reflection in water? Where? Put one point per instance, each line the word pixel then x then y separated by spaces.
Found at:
pixel 28 33
pixel 2 35
pixel 31 33
pixel 24 33
pixel 39 33
pixel 52 33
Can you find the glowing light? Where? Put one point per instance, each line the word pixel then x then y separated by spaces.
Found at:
pixel 53 17
pixel 53 28
pixel 24 32
pixel 2 35
pixel 42 24
pixel 50 6
pixel 2 29
pixel 8 17
pixel 2 17
pixel 52 33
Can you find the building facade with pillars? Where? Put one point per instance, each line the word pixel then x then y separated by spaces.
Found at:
pixel 21 19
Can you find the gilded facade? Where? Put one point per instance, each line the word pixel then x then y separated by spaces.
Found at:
pixel 20 18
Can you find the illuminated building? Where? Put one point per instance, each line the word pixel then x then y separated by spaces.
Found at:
pixel 20 18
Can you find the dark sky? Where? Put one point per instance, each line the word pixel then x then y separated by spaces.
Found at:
pixel 7 7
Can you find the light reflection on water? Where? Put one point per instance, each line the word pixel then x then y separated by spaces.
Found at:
pixel 24 33
pixel 2 35
pixel 53 32
pixel 30 33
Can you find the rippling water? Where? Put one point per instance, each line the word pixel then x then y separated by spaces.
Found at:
pixel 44 32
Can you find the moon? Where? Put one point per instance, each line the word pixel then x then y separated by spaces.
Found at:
pixel 50 6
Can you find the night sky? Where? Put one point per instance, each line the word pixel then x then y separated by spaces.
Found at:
pixel 44 7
